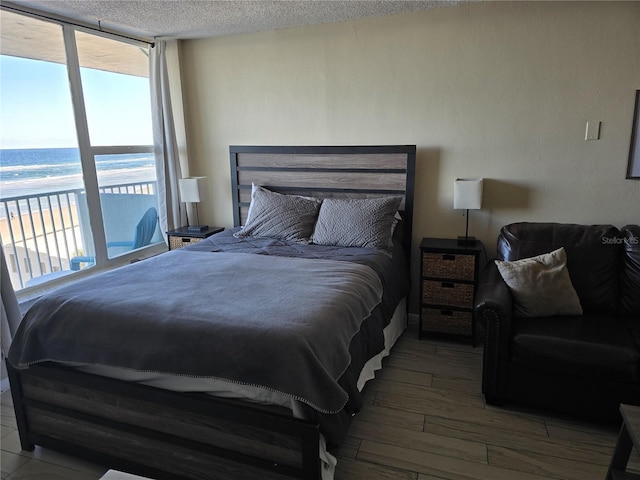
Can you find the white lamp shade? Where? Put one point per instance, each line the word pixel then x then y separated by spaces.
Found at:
pixel 189 190
pixel 467 193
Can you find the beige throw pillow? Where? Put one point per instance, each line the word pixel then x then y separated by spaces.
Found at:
pixel 541 286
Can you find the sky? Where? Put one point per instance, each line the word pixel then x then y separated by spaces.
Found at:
pixel 36 110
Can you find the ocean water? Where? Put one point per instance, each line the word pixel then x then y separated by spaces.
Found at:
pixel 44 170
pixel 40 170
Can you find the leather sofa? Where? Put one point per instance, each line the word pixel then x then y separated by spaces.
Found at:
pixel 579 364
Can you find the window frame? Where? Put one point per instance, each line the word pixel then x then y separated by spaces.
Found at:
pixel 88 153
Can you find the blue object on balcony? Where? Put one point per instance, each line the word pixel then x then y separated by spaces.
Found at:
pixel 142 236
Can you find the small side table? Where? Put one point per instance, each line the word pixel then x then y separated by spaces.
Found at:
pixel 181 237
pixel 448 281
pixel 629 438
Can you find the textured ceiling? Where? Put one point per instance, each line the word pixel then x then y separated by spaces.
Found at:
pixel 209 18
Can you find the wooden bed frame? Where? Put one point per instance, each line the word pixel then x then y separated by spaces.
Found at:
pixel 168 435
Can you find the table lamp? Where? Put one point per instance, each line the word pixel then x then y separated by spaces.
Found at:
pixel 467 195
pixel 190 193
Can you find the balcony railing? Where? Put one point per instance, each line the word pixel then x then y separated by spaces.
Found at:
pixel 42 233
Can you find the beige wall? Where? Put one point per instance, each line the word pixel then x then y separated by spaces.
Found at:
pixel 500 90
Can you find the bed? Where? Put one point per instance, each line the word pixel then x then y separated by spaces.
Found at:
pixel 271 409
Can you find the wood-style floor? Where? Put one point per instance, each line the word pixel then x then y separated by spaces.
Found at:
pixel 424 419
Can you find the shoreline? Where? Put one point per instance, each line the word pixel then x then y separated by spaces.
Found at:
pixel 11 189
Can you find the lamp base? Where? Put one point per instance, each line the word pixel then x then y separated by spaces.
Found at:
pixel 467 241
pixel 197 228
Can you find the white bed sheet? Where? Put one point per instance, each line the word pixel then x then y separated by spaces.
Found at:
pixel 228 389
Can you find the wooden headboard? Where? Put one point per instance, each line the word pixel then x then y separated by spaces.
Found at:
pixel 325 171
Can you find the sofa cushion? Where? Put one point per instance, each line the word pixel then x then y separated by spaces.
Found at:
pixel 540 285
pixel 630 272
pixel 593 258
pixel 593 345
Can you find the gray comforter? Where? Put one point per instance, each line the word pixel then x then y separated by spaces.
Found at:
pixel 281 322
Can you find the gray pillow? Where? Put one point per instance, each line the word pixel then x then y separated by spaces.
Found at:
pixel 357 222
pixel 541 286
pixel 285 217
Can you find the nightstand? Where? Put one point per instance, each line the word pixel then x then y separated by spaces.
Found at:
pixel 181 237
pixel 448 282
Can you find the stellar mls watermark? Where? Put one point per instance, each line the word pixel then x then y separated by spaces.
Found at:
pixel 632 240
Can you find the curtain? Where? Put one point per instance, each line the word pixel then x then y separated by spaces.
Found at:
pixel 11 315
pixel 164 138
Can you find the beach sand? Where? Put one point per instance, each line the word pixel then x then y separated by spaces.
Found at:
pixel 53 220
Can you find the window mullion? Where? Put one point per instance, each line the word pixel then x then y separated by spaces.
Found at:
pixel 87 159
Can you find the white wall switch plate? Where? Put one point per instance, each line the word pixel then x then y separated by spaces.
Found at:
pixel 593 131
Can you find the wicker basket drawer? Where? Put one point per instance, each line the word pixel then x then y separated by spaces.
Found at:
pixel 447 321
pixel 448 293
pixel 447 265
pixel 179 242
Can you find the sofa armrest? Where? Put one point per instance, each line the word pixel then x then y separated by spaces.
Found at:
pixel 494 310
pixel 493 295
